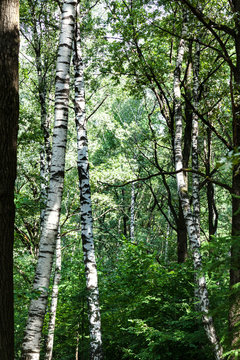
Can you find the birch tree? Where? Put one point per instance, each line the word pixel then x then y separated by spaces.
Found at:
pixel 41 43
pixel 231 33
pixel 32 338
pixel 195 176
pixel 86 205
pixel 192 227
pixel 54 300
pixel 9 109
pixel 132 220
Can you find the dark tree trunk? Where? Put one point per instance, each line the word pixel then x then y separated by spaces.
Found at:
pixel 234 313
pixel 181 237
pixel 9 107
pixel 212 210
pixel 125 218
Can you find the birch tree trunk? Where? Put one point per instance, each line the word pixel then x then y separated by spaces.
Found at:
pixel 9 109
pixel 182 251
pixel 195 176
pixel 167 239
pixel 45 155
pixel 36 42
pixel 45 152
pixel 32 338
pixel 86 207
pixel 132 221
pixel 54 301
pixel 193 231
pixel 212 209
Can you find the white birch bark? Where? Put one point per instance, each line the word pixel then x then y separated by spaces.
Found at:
pixel 193 232
pixel 86 207
pixel 167 238
pixel 195 176
pixel 32 338
pixel 45 152
pixel 77 348
pixel 132 221
pixel 54 301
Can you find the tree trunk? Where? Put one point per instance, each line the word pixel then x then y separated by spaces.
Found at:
pixel 45 153
pixel 212 210
pixel 54 301
pixel 125 218
pixel 9 108
pixel 187 143
pixel 181 236
pixel 234 313
pixel 132 221
pixel 167 239
pixel 195 176
pixel 31 342
pixel 193 231
pixel 86 207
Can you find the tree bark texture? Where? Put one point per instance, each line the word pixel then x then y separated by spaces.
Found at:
pixel 42 67
pixel 9 110
pixel 187 143
pixel 86 206
pixel 212 209
pixel 181 236
pixel 45 153
pixel 32 338
pixel 195 176
pixel 167 239
pixel 132 222
pixel 125 218
pixel 234 313
pixel 193 231
pixel 54 301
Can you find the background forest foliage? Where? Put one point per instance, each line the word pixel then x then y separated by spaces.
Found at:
pixel 148 306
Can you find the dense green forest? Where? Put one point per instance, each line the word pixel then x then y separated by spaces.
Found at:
pixel 139 101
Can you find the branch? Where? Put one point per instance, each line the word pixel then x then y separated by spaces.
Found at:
pixel 96 109
pixel 224 141
pixel 207 179
pixel 22 273
pixel 209 24
pixel 161 210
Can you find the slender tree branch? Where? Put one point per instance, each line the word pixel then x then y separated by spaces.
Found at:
pixel 207 178
pixel 210 25
pixel 96 109
pixel 206 122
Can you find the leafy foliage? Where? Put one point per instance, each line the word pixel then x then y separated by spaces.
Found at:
pixel 148 306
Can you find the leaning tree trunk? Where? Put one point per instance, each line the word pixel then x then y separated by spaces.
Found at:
pixel 86 207
pixel 9 107
pixel 193 231
pixel 31 342
pixel 54 301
